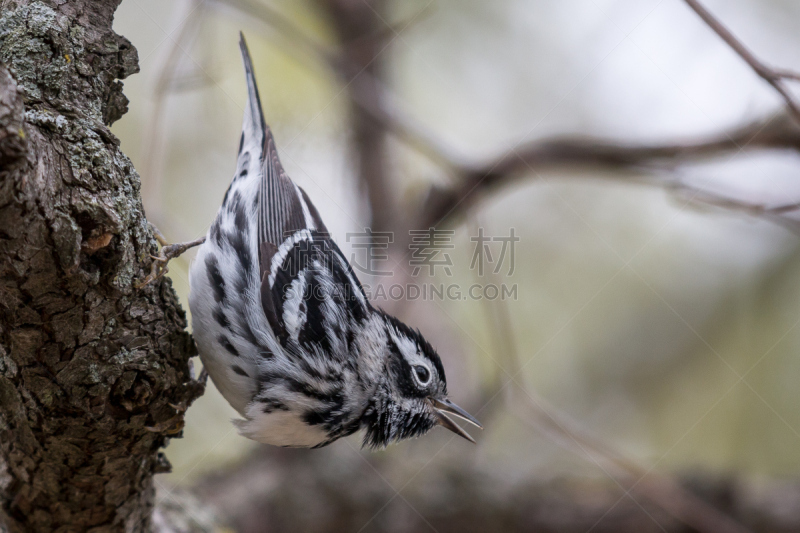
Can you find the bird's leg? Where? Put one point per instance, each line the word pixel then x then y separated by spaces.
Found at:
pixel 167 252
pixel 158 235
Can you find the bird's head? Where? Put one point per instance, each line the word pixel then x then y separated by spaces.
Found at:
pixel 411 397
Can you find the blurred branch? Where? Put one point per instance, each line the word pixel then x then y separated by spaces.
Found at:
pixel 777 132
pixel 151 170
pixel 335 490
pixel 631 477
pixel 774 77
pixel 359 27
pixel 377 104
pixel 357 66
pixel 500 324
pixel 360 82
pixel 775 214
pixel 363 36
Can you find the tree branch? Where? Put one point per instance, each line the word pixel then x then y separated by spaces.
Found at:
pixel 627 473
pixel 357 24
pixel 470 179
pixel 286 490
pixel 772 76
pixel 778 132
pixel 375 114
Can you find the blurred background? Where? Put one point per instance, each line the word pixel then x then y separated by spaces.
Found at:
pixel 649 352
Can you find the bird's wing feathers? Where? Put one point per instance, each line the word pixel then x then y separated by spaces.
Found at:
pixel 284 208
pixel 293 240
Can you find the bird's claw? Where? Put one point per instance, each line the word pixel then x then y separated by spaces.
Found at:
pixel 159 267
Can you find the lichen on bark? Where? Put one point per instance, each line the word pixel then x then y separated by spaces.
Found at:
pixel 94 374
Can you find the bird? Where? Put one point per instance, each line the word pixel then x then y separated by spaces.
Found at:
pixel 284 328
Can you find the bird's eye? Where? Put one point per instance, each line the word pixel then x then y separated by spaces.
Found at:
pixel 423 375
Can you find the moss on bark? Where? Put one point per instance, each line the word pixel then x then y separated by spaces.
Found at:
pixel 94 374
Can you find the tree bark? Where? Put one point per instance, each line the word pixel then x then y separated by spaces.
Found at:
pixel 94 373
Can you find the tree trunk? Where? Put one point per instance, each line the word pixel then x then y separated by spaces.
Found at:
pixel 94 373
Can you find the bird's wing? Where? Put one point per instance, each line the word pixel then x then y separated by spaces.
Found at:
pixel 283 207
pixel 292 238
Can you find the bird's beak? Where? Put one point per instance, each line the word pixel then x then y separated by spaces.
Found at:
pixel 440 407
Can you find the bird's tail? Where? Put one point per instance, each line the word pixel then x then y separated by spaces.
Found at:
pixel 254 124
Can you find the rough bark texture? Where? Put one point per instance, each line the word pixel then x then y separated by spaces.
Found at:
pixel 94 374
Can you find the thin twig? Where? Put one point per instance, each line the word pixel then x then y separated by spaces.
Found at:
pixel 703 199
pixel 499 320
pixel 768 133
pixel 660 489
pixel 152 138
pixel 788 74
pixel 772 76
pixel 471 178
pixel 388 113
pixel 371 97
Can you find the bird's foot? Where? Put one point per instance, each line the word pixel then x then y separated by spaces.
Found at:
pixel 168 252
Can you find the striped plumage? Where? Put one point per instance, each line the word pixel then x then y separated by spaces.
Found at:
pixel 284 328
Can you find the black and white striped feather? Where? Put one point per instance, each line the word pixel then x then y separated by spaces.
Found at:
pixel 282 323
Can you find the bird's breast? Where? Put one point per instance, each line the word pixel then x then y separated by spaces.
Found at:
pixel 280 428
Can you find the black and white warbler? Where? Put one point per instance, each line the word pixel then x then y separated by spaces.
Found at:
pixel 284 327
